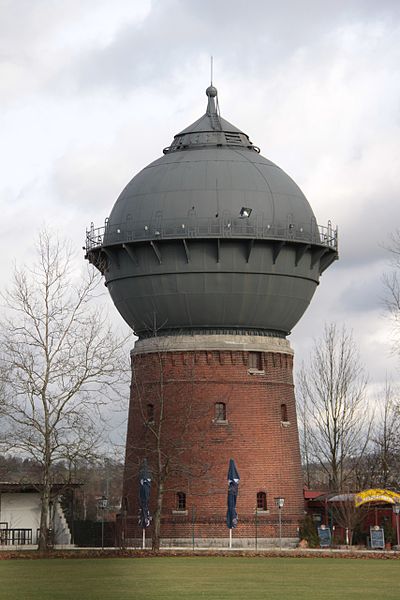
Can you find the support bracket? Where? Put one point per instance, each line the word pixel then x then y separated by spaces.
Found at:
pixel 300 252
pixel 276 249
pixel 187 251
pixel 156 250
pixel 131 253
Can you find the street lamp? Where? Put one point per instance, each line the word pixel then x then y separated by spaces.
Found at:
pixel 396 510
pixel 280 502
pixel 103 502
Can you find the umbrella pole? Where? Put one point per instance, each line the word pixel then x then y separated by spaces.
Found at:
pixel 230 538
pixel 144 539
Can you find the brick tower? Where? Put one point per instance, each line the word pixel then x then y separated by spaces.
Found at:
pixel 212 254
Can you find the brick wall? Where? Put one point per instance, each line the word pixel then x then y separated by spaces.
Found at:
pixel 184 387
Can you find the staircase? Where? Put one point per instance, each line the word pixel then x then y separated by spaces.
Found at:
pixel 62 533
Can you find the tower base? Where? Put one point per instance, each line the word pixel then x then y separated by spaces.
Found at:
pixel 196 402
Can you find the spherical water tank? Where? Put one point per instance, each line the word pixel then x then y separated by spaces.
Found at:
pixel 212 236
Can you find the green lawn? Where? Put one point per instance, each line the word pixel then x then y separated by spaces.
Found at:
pixel 225 578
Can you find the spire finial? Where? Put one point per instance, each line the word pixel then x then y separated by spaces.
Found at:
pixel 211 91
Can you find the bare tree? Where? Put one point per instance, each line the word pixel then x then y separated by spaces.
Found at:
pixel 59 360
pixel 380 466
pixel 165 410
pixel 391 283
pixel 304 433
pixel 386 439
pixel 347 515
pixel 332 401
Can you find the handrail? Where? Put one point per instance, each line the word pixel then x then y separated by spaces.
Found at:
pixel 135 231
pixel 15 536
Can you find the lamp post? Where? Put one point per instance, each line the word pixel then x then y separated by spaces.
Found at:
pixel 256 522
pixel 193 522
pixel 280 502
pixel 396 510
pixel 102 506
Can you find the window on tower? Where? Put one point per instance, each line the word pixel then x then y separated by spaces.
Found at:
pixel 255 361
pixel 220 411
pixel 150 413
pixel 284 414
pixel 261 501
pixel 180 501
pixel 124 505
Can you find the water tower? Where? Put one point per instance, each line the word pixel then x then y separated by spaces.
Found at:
pixel 212 254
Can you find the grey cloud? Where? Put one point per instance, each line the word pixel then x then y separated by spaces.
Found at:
pixel 278 47
pixel 177 34
pixel 78 182
pixel 362 237
pixel 25 25
pixel 363 295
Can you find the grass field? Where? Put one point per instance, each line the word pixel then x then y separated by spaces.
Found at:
pixel 219 578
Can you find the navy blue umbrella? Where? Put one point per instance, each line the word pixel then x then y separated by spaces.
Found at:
pixel 144 496
pixel 233 488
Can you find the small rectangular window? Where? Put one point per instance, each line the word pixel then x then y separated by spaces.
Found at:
pixel 255 361
pixel 261 501
pixel 150 413
pixel 220 411
pixel 181 501
pixel 284 413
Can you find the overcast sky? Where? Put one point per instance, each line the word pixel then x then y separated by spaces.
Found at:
pixel 93 90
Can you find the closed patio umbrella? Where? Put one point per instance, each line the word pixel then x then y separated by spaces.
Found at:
pixel 233 488
pixel 144 495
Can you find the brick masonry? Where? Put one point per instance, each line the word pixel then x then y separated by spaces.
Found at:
pixel 183 387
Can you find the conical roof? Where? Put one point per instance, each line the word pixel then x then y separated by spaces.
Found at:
pixel 210 130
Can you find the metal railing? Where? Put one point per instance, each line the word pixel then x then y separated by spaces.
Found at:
pixel 15 537
pixel 134 231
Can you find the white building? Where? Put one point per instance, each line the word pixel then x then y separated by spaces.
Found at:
pixel 20 516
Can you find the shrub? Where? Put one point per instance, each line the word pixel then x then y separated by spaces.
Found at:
pixel 308 531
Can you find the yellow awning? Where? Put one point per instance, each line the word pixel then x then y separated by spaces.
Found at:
pixel 377 495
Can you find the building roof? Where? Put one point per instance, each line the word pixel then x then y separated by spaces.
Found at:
pixel 210 130
pixel 313 494
pixel 12 486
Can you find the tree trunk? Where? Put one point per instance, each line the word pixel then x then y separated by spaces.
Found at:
pixel 335 484
pixel 43 545
pixel 157 518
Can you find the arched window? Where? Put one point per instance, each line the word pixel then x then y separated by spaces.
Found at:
pixel 180 501
pixel 261 501
pixel 150 413
pixel 284 414
pixel 220 411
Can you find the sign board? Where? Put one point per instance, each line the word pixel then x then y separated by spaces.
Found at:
pixel 103 502
pixel 377 537
pixel 324 534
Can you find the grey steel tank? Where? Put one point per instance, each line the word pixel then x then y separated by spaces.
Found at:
pixel 211 237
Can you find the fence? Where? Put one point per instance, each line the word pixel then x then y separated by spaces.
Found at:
pixel 226 227
pixel 15 537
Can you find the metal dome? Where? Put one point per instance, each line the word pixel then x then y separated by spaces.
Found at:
pixel 212 236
